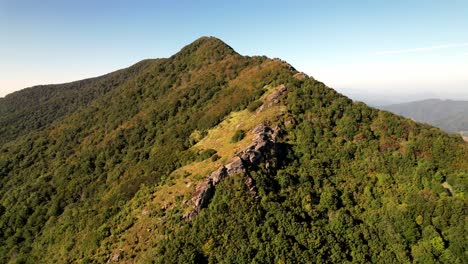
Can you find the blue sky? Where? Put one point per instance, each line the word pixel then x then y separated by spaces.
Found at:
pixel 391 49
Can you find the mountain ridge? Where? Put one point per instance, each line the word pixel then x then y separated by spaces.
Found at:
pixel 111 181
pixel 36 107
pixel 449 115
pixel 47 103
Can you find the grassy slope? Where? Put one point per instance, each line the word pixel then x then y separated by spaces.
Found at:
pixel 156 211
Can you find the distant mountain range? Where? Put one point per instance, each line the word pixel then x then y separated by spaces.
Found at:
pixel 449 115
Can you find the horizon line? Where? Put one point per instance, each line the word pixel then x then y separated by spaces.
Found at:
pixel 423 49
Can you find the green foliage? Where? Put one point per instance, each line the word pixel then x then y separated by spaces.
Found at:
pixel 356 185
pixel 38 107
pixel 238 136
pixel 69 179
pixel 206 154
pixel 254 105
pixel 215 157
pixel 353 184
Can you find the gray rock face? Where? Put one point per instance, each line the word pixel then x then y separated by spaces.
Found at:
pixel 264 142
pixel 275 97
pixel 249 182
pixel 263 149
pixel 204 191
pixel 219 175
pixel 235 167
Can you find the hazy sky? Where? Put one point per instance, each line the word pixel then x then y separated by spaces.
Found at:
pixel 393 49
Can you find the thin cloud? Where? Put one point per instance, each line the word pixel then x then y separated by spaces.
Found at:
pixel 423 49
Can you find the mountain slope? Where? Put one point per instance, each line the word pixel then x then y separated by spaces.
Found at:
pixel 449 115
pixel 96 158
pixel 37 107
pixel 210 156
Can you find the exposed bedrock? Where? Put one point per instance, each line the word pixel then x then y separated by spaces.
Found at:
pixel 264 149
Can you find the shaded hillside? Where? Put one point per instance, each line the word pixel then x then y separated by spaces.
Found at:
pixel 37 107
pixel 209 156
pixel 451 116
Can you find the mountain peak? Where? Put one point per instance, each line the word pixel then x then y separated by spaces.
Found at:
pixel 205 49
pixel 209 40
pixel 207 149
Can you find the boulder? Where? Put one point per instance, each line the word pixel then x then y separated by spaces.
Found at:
pixel 252 156
pixel 252 189
pixel 218 175
pixel 203 193
pixel 275 97
pixel 235 167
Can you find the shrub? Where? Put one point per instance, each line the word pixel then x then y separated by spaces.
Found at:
pixel 254 106
pixel 215 157
pixel 206 154
pixel 238 136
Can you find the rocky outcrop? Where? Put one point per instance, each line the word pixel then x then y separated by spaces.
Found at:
pixel 300 76
pixel 205 190
pixel 263 149
pixel 274 97
pixel 236 167
pixel 252 189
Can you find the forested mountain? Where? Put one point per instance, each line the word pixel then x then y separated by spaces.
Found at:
pixel 209 156
pixel 450 115
pixel 37 107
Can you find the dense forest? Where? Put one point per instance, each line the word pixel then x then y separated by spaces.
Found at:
pixel 37 107
pixel 107 169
